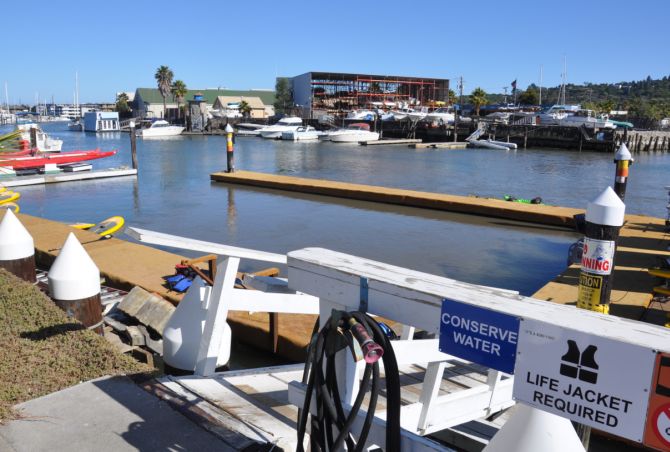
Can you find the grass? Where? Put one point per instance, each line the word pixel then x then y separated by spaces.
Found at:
pixel 43 351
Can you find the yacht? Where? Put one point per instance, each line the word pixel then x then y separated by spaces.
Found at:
pixel 442 114
pixel 352 134
pixel 555 113
pixel 44 142
pixel 586 118
pixel 76 125
pixel 306 133
pixel 160 128
pixel 366 115
pixel 286 124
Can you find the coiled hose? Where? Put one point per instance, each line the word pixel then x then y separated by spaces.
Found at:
pixel 331 427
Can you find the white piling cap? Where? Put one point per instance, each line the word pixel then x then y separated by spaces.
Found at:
pixel 15 240
pixel 229 129
pixel 607 209
pixel 73 275
pixel 623 153
pixel 531 430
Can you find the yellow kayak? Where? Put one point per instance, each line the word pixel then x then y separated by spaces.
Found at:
pixel 9 196
pixel 660 272
pixel 10 205
pixel 104 228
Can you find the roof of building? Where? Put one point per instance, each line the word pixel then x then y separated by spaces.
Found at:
pixel 377 77
pixel 253 101
pixel 153 96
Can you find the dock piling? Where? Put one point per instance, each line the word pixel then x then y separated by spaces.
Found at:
pixel 133 143
pixel 230 157
pixel 604 218
pixel 17 249
pixel 74 284
pixel 623 160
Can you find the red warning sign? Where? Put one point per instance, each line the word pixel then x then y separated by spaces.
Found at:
pixel 657 430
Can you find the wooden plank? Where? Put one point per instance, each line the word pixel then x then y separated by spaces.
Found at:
pixel 383 142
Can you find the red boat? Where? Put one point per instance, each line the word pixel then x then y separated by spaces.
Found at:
pixel 58 158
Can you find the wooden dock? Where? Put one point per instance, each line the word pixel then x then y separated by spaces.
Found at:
pixel 39 179
pixel 495 208
pixel 384 142
pixel 445 145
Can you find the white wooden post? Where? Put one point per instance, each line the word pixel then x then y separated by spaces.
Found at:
pixel 429 391
pixel 217 312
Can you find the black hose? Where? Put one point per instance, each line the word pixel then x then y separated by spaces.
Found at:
pixel 331 427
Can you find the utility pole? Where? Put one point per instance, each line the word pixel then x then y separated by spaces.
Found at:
pixel 460 106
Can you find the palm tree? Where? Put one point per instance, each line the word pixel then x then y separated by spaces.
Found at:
pixel 179 91
pixel 164 76
pixel 245 108
pixel 478 98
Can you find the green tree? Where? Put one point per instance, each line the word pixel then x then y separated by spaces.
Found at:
pixel 164 76
pixel 478 98
pixel 451 97
pixel 122 103
pixel 283 96
pixel 178 90
pixel 529 97
pixel 245 109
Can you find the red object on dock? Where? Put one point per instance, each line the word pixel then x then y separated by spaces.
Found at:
pixel 58 158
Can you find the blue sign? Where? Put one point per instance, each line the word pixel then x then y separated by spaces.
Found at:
pixel 479 335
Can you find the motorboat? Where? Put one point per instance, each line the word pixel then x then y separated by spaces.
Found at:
pixel 160 128
pixel 353 134
pixel 44 142
pixel 586 118
pixel 556 113
pixel 366 115
pixel 305 133
pixel 286 124
pixel 418 115
pixel 58 158
pixel 76 125
pixel 445 115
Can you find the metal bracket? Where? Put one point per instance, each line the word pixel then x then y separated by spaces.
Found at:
pixel 363 303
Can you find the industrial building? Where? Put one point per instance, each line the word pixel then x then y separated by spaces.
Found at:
pixel 332 93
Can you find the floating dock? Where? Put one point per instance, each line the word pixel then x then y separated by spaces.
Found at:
pixel 452 145
pixel 39 179
pixel 383 142
pixel 495 208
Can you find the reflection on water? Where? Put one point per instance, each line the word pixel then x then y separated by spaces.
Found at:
pixel 173 194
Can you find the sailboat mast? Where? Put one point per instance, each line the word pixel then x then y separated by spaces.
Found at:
pixel 541 67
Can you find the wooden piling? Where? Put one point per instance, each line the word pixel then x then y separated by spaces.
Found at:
pixel 525 137
pixel 656 143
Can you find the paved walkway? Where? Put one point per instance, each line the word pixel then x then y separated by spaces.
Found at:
pixel 107 414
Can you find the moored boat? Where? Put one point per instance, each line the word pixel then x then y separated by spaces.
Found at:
pixel 60 158
pixel 44 142
pixel 354 133
pixel 306 133
pixel 284 125
pixel 160 128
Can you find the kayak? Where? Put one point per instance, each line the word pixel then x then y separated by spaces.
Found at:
pixel 10 206
pixel 60 158
pixel 104 228
pixel 9 196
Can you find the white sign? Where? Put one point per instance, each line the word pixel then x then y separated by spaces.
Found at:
pixel 597 256
pixel 589 379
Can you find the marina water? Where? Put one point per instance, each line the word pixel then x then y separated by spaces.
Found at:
pixel 173 194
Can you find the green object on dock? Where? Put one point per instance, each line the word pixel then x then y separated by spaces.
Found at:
pixel 536 200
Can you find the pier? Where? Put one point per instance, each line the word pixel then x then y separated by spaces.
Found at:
pixel 40 179
pixel 541 214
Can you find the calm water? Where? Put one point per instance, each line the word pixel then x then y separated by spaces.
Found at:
pixel 173 194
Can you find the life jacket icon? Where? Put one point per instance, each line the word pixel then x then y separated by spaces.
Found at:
pixel 580 364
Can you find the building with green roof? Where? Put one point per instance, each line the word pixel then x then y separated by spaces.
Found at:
pixel 148 102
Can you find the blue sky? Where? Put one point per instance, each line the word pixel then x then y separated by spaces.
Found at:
pixel 244 45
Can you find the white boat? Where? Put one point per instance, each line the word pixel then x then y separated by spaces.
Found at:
pixel 442 114
pixel 586 118
pixel 488 144
pixel 555 113
pixel 306 133
pixel 353 134
pixel 44 142
pixel 160 128
pixel 284 125
pixel 401 113
pixel 367 115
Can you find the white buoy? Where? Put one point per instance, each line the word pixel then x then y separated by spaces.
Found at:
pixel 74 284
pixel 532 430
pixel 183 332
pixel 17 249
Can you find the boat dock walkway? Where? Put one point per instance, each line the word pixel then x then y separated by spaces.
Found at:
pixel 39 179
pixel 383 142
pixel 495 208
pixel 452 145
